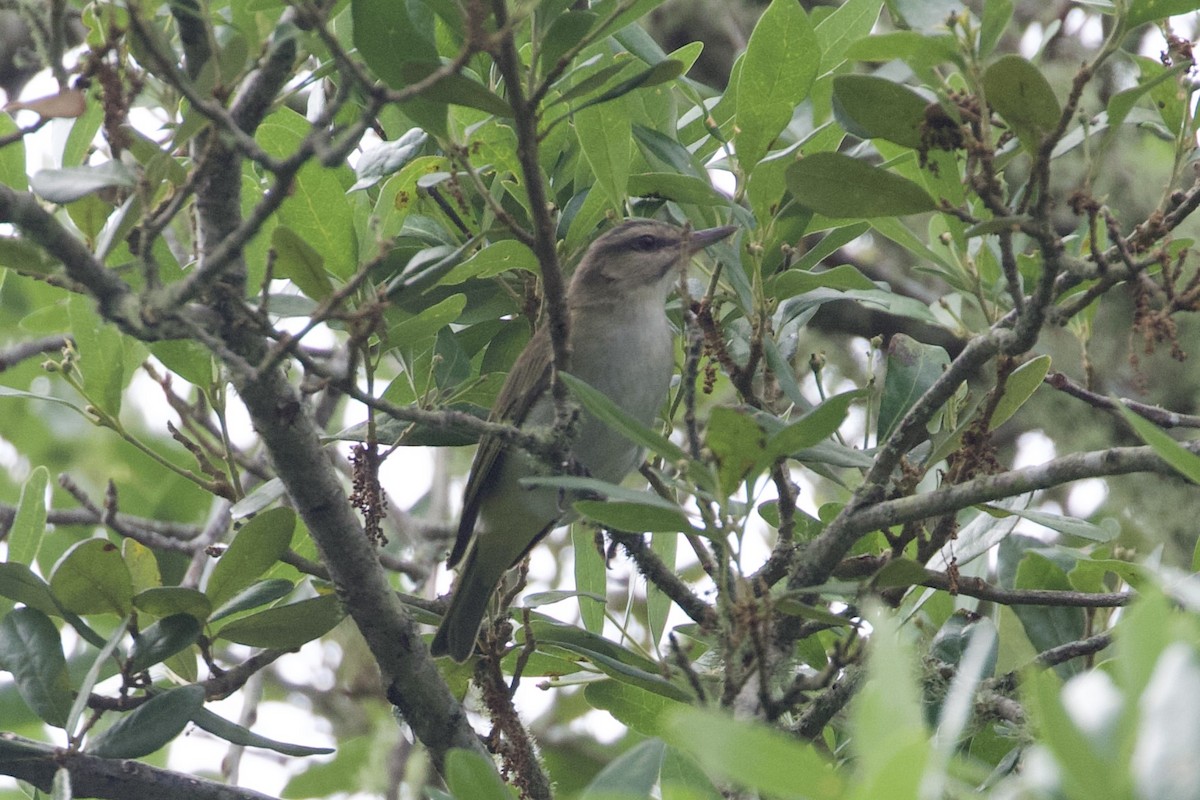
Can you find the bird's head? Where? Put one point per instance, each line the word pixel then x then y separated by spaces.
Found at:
pixel 636 256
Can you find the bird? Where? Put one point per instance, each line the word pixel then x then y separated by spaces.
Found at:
pixel 622 344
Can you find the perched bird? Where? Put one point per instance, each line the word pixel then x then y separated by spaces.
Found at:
pixel 621 344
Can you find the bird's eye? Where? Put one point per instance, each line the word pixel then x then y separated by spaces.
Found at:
pixel 645 243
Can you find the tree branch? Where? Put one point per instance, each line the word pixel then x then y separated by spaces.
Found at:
pixel 111 778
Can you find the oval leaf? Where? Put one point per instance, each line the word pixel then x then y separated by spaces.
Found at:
pixel 837 185
pixel 254 596
pixel 634 517
pixel 72 183
pixel 286 627
pixel 388 33
pixel 236 734
pixel 92 578
pixel 165 601
pixel 912 367
pixel 777 72
pixel 751 755
pixel 1019 93
pixel 20 584
pixel 257 546
pixel 296 260
pixel 31 650
pixel 162 640
pixel 150 726
pixel 876 108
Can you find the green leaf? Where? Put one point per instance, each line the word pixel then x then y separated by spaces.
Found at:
pixel 256 548
pixel 594 486
pixel 12 157
pixel 1072 526
pixel 996 16
pixel 189 360
pixel 286 627
pixel 633 517
pixel 634 773
pixel 162 640
pixel 456 89
pixel 415 330
pixel 30 648
pixel 752 755
pixel 660 73
pixel 165 601
pixel 20 584
pixel 1019 93
pixel 150 726
pixel 777 72
pixel 101 355
pixel 253 596
pixel 841 278
pixel 1021 385
pixel 22 256
pixel 236 734
pixel 470 775
pixel 495 259
pixel 69 184
pixel 1167 736
pixel 1153 76
pixel 299 262
pixel 602 408
pixel 658 603
pixel 1048 626
pixel 92 578
pixel 848 23
pixel 738 445
pixel 29 524
pixel 683 778
pixel 630 11
pixel 388 33
pixel 100 664
pixel 606 139
pixel 1183 461
pixel 1143 11
pixel 925 15
pixel 610 658
pixel 889 734
pixel 909 46
pixel 814 427
pixel 912 367
pixel 630 705
pixel 838 185
pixel 566 31
pixel 870 107
pixel 590 578
pixel 1087 772
pixel 672 186
pixel 316 207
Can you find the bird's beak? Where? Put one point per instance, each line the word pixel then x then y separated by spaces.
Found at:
pixel 698 240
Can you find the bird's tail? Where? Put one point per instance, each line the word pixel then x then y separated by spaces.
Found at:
pixel 456 635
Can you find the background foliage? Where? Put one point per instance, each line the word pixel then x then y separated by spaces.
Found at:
pixel 866 566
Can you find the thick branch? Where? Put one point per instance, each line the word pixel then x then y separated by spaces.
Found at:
pixel 112 779
pixel 1077 466
pixel 117 302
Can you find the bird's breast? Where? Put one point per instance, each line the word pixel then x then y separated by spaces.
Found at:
pixel 630 360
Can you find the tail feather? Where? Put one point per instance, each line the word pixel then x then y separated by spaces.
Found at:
pixel 456 635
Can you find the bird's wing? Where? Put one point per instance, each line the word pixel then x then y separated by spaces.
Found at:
pixel 528 380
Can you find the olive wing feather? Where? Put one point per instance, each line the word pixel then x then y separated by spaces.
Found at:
pixel 526 382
